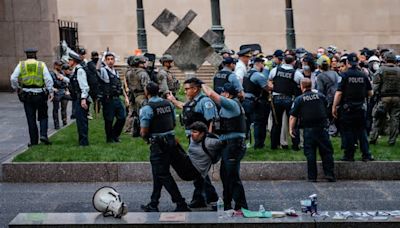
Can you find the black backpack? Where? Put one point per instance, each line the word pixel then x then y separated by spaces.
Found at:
pixel 217 156
pixel 92 78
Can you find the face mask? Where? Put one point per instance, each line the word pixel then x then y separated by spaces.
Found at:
pixel 95 60
pixel 319 55
pixel 375 66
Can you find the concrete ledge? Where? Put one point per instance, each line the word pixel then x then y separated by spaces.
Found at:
pixel 141 171
pixel 193 219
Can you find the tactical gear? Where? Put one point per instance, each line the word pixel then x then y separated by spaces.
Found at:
pixel 221 78
pixel 163 117
pixel 390 81
pixel 111 89
pixel 136 79
pixel 190 116
pixel 74 88
pixel 355 87
pixel 313 112
pixel 249 86
pixel 58 84
pixel 284 81
pixel 31 75
pixel 234 124
pixel 166 58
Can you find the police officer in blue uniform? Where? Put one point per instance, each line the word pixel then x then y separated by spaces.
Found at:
pixel 33 82
pixel 285 80
pixel 79 89
pixel 157 122
pixel 198 108
pixel 255 104
pixel 232 129
pixel 351 96
pixel 110 91
pixel 227 75
pixel 311 108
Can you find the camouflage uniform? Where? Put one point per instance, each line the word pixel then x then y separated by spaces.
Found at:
pixel 387 84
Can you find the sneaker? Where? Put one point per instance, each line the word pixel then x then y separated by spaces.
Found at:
pixel 45 140
pixel 197 204
pixel 182 207
pixel 149 208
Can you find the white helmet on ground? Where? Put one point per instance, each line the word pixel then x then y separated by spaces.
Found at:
pixel 107 201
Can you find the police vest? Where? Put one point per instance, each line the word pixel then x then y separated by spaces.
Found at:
pixel 163 117
pixel 390 81
pixel 58 84
pixel 190 116
pixel 313 112
pixel 74 88
pixel 113 88
pixel 249 86
pixel 31 74
pixel 284 81
pixel 355 87
pixel 221 78
pixel 234 124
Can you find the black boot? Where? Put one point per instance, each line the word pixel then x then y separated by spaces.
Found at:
pixel 182 207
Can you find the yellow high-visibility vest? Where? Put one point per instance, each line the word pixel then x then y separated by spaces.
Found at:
pixel 31 74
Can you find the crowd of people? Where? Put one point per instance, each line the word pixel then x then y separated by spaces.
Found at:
pixel 309 97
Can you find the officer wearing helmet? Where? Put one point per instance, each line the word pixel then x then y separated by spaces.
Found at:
pixel 34 85
pixel 137 78
pixel 387 84
pixel 165 79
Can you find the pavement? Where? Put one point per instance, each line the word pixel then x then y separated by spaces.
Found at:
pixel 76 197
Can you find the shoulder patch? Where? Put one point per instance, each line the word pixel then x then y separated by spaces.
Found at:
pixel 208 104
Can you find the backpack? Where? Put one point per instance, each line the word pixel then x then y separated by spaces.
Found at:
pixel 218 154
pixel 92 79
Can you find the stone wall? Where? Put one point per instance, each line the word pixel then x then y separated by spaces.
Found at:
pixel 23 24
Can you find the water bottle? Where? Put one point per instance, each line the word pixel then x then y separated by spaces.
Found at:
pixel 220 208
pixel 261 208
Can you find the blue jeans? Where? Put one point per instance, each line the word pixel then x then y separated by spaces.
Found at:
pixel 318 138
pixel 232 154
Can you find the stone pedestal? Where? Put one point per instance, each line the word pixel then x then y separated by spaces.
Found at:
pixel 26 23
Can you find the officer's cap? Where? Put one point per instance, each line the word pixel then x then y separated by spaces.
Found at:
pixel 31 50
pixel 278 53
pixel 245 52
pixel 230 88
pixel 352 59
pixel 226 51
pixel 229 60
pixel 74 56
pixel 166 58
pixel 65 67
pixel 390 56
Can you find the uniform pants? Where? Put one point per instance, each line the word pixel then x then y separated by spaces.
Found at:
pixel 35 107
pixel 281 105
pixel 318 138
pixel 232 154
pixel 113 108
pixel 162 149
pixel 58 99
pixel 391 106
pixel 185 170
pixel 257 112
pixel 82 123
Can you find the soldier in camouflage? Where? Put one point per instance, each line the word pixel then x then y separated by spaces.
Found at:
pixel 165 79
pixel 387 84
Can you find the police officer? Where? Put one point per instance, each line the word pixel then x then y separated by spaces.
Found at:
pixel 198 108
pixel 110 91
pixel 137 78
pixel 94 89
pixel 351 96
pixel 165 79
pixel 226 75
pixel 34 85
pixel 387 84
pixel 157 122
pixel 284 80
pixel 79 89
pixel 60 88
pixel 311 108
pixel 232 128
pixel 242 65
pixel 255 104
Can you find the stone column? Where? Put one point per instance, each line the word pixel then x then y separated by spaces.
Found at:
pixel 216 25
pixel 290 33
pixel 26 24
pixel 141 31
